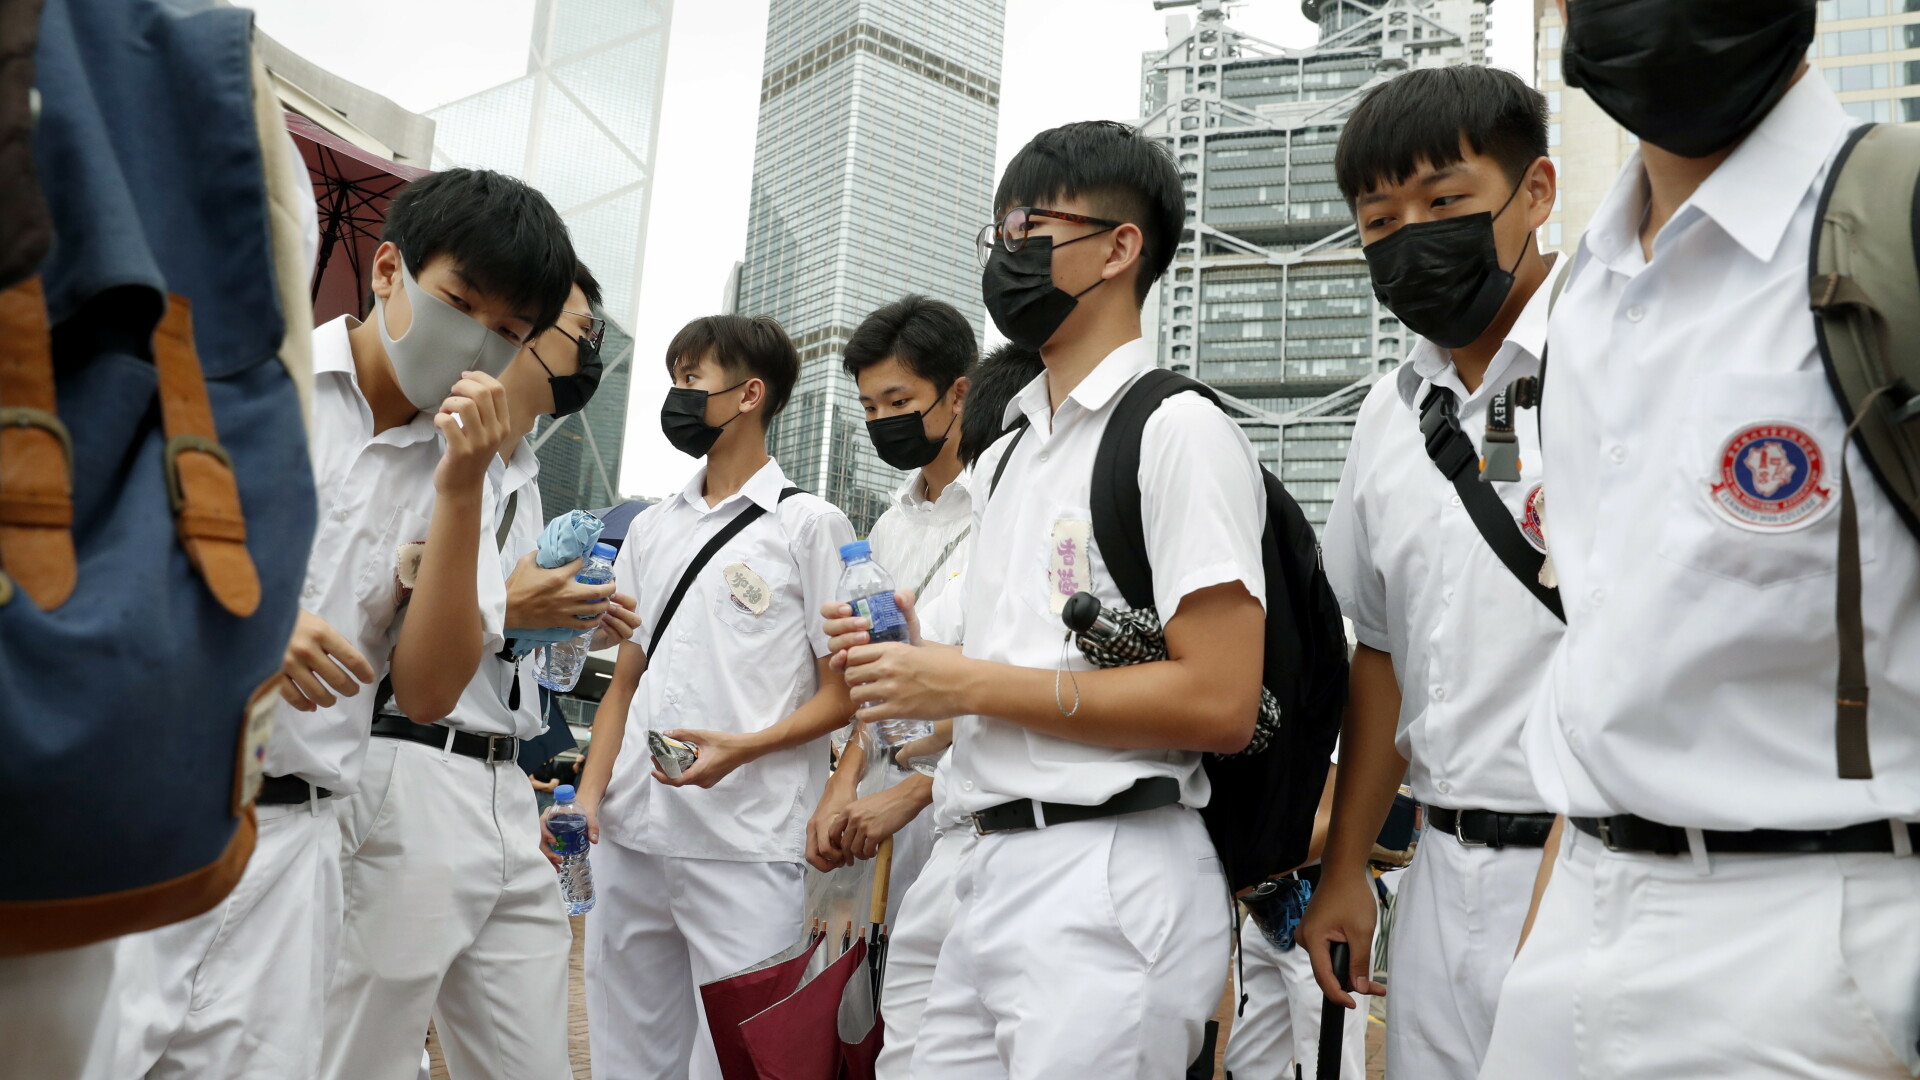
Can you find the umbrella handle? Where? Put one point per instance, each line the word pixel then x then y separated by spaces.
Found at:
pixel 882 871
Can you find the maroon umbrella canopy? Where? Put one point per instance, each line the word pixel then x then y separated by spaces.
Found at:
pixel 799 1039
pixel 731 1001
pixel 352 188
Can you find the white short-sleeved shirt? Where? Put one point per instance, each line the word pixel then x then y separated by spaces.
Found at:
pixel 483 706
pixel 730 661
pixel 917 540
pixel 376 494
pixel 1203 505
pixel 1469 642
pixel 1694 515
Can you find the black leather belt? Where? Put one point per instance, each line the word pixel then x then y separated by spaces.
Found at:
pixel 1491 828
pixel 1625 832
pixel 1150 793
pixel 492 749
pixel 287 791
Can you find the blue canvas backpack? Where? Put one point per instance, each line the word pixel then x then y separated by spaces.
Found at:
pixel 156 501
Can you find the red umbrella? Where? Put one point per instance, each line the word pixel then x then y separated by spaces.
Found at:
pixel 731 1001
pixel 352 188
pixel 799 1039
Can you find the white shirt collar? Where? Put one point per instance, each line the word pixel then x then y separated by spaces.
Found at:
pixel 763 487
pixel 1430 365
pixel 913 494
pixel 1101 384
pixel 1752 196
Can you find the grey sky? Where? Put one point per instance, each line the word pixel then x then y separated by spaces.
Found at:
pixel 1064 60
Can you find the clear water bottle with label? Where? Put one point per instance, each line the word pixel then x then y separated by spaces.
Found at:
pixel 569 828
pixel 557 666
pixel 867 586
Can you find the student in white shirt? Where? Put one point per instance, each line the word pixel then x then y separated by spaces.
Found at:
pixel 701 876
pixel 452 915
pixel 407 420
pixel 1099 945
pixel 1724 902
pixel 909 361
pixel 1447 172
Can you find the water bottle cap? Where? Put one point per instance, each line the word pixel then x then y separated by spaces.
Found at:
pixel 563 793
pixel 606 551
pixel 859 549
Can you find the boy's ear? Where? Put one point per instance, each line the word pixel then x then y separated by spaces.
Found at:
pixel 1128 243
pixel 385 273
pixel 959 391
pixel 753 395
pixel 1542 185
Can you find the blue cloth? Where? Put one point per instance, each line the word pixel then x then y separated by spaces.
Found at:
pixel 566 538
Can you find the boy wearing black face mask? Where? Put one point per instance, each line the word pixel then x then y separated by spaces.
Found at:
pixel 457 842
pixel 1447 173
pixel 1735 894
pixel 1091 931
pixel 701 875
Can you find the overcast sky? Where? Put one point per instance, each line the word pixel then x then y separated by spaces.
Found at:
pixel 1064 60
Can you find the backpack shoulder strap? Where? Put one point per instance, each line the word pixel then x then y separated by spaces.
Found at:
pixel 752 513
pixel 1115 498
pixel 1453 454
pixel 1019 431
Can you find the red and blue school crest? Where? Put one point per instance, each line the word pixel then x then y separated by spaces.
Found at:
pixel 1770 478
pixel 1532 524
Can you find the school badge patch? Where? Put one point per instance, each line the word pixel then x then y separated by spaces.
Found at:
pixel 1531 523
pixel 1771 478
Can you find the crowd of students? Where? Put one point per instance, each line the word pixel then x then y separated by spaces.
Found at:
pixel 1623 749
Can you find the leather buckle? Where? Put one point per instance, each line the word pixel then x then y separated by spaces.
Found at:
pixel 1606 834
pixel 170 459
pixel 17 416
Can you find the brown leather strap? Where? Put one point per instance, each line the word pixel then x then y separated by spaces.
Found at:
pixel 36 455
pixel 200 480
pixel 1850 692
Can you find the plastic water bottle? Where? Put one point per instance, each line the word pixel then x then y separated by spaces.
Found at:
pixel 558 668
pixel 569 828
pixel 867 586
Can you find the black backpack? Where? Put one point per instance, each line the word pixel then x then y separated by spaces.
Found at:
pixel 1261 812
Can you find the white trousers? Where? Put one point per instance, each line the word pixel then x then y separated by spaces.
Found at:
pixel 662 926
pixel 1281 1024
pixel 1457 920
pixel 924 921
pixel 1763 967
pixel 1088 949
pixel 237 992
pixel 452 915
pixel 66 1014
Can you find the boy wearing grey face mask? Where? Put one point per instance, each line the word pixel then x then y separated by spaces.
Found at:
pixel 407 420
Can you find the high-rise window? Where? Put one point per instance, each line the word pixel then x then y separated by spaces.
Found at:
pixel 1853 42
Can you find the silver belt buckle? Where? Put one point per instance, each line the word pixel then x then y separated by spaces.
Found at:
pixel 979 828
pixel 494 742
pixel 1459 823
pixel 1606 833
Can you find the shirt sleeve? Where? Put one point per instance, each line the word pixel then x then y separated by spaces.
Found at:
pixel 1347 555
pixel 1202 502
pixel 817 553
pixel 626 577
pixel 943 619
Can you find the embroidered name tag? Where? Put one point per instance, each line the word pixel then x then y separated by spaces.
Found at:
pixel 406 568
pixel 746 589
pixel 1067 568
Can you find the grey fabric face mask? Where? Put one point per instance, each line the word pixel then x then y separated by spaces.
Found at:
pixel 441 343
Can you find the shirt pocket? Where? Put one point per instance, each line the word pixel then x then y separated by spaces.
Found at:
pixel 750 595
pixel 1754 480
pixel 377 589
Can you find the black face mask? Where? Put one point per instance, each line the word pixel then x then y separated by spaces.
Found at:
pixel 1020 294
pixel 901 441
pixel 572 392
pixel 1688 76
pixel 1443 279
pixel 683 419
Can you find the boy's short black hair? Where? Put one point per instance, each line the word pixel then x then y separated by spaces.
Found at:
pixel 933 340
pixel 1424 115
pixel 589 285
pixel 1121 173
pixel 507 238
pixel 990 385
pixel 746 347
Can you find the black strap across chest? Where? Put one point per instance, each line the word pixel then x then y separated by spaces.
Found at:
pixel 1452 452
pixel 705 555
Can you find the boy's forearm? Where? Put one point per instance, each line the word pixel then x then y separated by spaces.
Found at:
pixel 1371 767
pixel 818 717
pixel 1163 705
pixel 439 646
pixel 610 720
